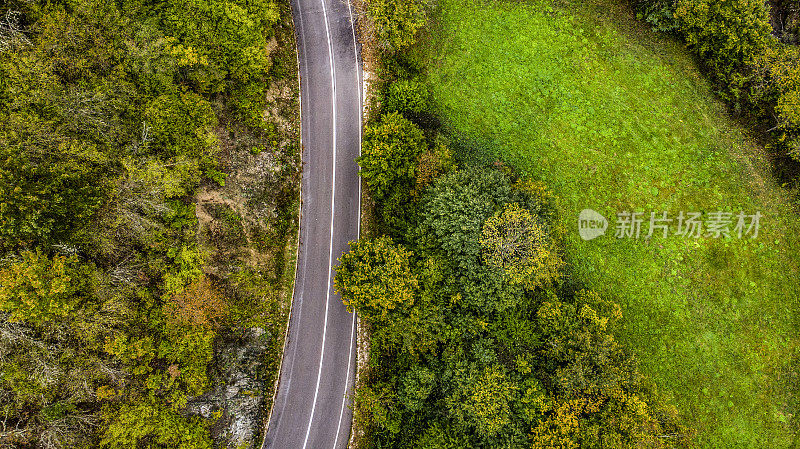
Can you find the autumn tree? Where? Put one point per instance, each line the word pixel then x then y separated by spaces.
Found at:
pixel 513 241
pixel 199 304
pixel 375 278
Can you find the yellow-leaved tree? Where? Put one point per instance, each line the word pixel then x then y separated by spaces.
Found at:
pixel 513 241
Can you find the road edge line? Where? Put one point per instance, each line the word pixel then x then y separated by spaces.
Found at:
pixel 297 239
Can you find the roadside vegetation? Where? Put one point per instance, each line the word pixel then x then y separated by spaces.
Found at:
pixel 498 122
pixel 149 175
pixel 480 335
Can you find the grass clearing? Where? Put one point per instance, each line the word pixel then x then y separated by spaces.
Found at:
pixel 614 118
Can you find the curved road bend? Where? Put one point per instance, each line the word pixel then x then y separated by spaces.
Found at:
pixel 311 407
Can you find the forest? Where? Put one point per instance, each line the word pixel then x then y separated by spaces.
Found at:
pixel 133 238
pixel 481 335
pixel 149 180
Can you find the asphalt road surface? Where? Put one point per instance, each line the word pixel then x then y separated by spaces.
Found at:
pixel 312 405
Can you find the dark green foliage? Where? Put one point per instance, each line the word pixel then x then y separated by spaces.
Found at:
pixel 458 204
pixel 660 14
pixel 49 186
pixel 408 97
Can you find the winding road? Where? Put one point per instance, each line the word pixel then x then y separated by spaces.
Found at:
pixel 311 409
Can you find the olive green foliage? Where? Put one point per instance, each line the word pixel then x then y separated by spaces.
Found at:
pixel 110 114
pixel 488 404
pixel 779 67
pixel 726 35
pixel 375 277
pixel 37 288
pixel 390 151
pixel 396 22
pixel 162 427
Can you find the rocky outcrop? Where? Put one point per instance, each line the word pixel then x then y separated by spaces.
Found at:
pixel 236 403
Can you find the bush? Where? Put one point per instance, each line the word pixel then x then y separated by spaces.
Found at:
pixel 153 426
pixel 389 155
pixel 410 98
pixel 728 36
pixel 396 22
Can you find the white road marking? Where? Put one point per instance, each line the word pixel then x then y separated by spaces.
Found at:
pixel 358 225
pixel 333 202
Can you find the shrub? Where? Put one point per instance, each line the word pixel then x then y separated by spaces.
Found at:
pixel 389 155
pixel 154 426
pixel 727 36
pixel 409 98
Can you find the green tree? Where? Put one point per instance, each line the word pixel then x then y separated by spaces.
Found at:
pixel 408 97
pixel 390 151
pixel 442 436
pixel 456 207
pixel 580 351
pixel 49 186
pixel 396 22
pixel 416 386
pixel 489 399
pixel 37 289
pixel 180 124
pixel 375 278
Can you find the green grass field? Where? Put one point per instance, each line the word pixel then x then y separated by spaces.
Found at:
pixel 613 117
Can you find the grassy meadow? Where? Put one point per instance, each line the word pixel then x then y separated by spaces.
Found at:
pixel 614 117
